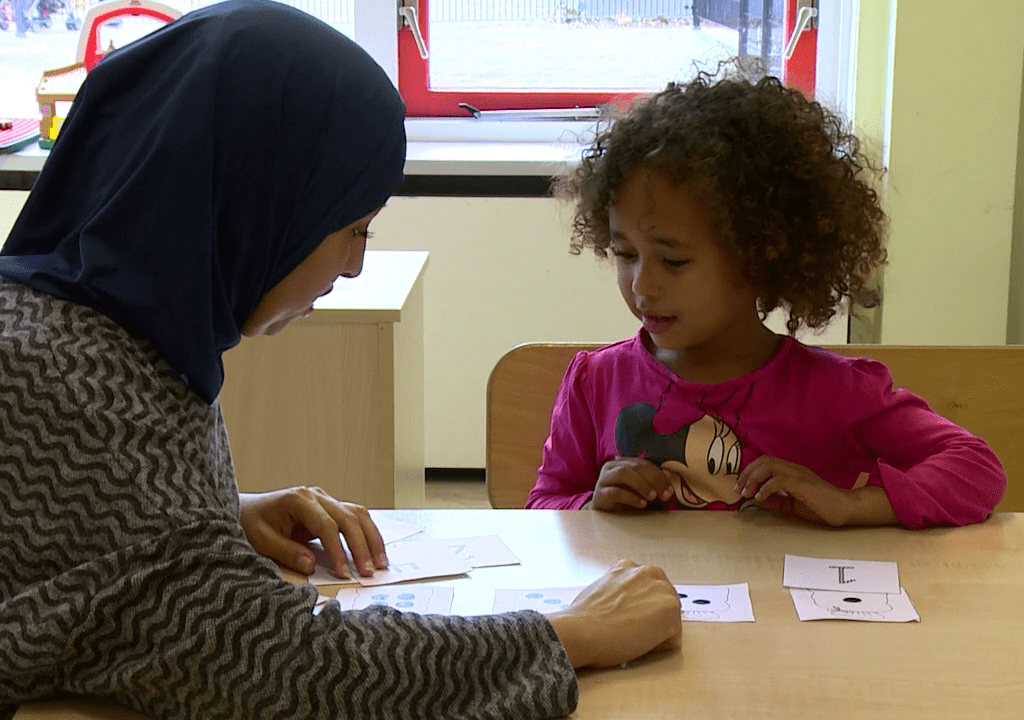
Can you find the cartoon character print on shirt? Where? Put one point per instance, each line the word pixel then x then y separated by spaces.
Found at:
pixel 704 455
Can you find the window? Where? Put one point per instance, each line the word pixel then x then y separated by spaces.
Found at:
pixel 502 54
pixel 509 54
pixel 53 32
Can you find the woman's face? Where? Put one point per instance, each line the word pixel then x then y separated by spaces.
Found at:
pixel 339 255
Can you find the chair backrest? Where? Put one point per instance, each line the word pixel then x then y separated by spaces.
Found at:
pixel 979 388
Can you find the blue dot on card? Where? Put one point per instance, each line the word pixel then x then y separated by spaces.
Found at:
pixel 407 596
pixel 403 604
pixel 379 603
pixel 380 596
pixel 552 601
pixel 534 596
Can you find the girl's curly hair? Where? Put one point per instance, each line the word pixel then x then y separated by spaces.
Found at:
pixel 785 183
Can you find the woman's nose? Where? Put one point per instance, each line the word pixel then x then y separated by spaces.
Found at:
pixel 354 263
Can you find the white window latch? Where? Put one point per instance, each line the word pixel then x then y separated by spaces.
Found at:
pixel 409 16
pixel 804 21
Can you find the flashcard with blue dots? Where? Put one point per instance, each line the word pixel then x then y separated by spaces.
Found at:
pixel 421 599
pixel 543 600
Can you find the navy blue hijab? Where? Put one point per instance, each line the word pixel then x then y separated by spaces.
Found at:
pixel 200 165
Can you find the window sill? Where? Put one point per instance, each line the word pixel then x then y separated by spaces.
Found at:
pixel 444 157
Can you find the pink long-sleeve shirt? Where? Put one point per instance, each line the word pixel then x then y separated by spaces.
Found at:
pixel 839 417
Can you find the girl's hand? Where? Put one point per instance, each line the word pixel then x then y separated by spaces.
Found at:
pixel 792 489
pixel 630 484
pixel 279 524
pixel 627 612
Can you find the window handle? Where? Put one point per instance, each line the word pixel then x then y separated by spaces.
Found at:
pixel 803 22
pixel 408 14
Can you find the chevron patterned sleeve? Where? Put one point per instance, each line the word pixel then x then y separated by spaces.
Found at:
pixel 126 575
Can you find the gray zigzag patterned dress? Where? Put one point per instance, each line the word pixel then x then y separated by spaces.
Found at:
pixel 124 572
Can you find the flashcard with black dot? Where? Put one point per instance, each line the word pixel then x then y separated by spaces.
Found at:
pixel 715 603
pixel 421 599
pixel 698 603
pixel 840 605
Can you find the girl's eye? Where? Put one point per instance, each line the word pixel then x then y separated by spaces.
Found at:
pixel 624 254
pixel 675 263
pixel 362 232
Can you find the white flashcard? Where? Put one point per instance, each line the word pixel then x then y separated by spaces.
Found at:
pixel 840 605
pixel 543 600
pixel 699 603
pixel 390 530
pixel 422 599
pixel 716 603
pixel 416 563
pixel 394 530
pixel 478 550
pixel 859 576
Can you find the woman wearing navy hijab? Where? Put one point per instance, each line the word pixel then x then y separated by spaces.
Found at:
pixel 211 180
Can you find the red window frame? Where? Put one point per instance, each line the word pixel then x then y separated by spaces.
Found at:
pixel 800 70
pixel 422 101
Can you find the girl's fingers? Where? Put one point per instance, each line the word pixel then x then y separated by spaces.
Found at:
pixel 615 497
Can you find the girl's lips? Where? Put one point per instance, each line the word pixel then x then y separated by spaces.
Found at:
pixel 658 324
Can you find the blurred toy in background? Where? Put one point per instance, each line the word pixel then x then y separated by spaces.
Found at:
pixel 16 133
pixel 61 84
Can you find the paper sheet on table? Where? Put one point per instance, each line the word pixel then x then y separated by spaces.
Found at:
pixel 422 599
pixel 840 605
pixel 858 576
pixel 699 603
pixel 394 530
pixel 409 561
pixel 477 550
pixel 390 530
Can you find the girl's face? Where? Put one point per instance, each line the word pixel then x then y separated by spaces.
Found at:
pixel 339 255
pixel 675 276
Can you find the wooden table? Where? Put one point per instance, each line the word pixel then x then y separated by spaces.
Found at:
pixel 963 660
pixel 337 399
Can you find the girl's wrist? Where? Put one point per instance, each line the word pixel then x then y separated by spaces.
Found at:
pixel 869 506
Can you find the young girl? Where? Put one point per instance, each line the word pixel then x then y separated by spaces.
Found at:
pixel 719 202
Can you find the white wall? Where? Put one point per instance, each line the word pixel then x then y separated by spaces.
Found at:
pixel 953 148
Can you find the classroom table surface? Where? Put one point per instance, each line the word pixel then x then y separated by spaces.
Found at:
pixel 962 660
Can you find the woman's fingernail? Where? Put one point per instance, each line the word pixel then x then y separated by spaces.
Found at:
pixel 307 563
pixel 652 494
pixel 368 568
pixel 643 503
pixel 666 493
pixel 382 561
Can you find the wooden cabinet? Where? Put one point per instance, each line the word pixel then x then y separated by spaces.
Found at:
pixel 336 400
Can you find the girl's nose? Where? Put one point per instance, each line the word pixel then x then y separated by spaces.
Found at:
pixel 645 279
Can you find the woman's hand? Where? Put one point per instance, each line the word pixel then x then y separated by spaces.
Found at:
pixel 280 523
pixel 627 612
pixel 630 484
pixel 791 489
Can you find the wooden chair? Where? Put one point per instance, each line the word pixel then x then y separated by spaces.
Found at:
pixel 978 388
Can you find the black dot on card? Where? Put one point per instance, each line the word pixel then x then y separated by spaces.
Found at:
pixel 701 602
pixel 851 599
pixel 682 594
